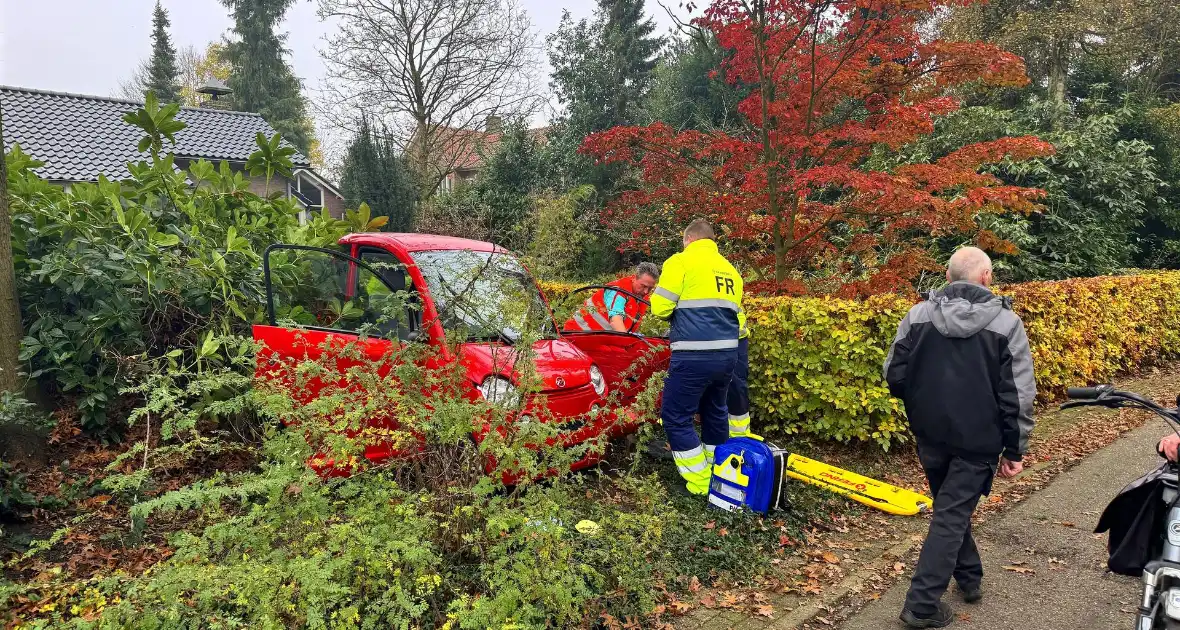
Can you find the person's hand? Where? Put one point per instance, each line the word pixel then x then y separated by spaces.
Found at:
pixel 1169 445
pixel 1009 468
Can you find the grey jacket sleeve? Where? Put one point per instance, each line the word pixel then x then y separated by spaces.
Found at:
pixel 898 358
pixel 1018 392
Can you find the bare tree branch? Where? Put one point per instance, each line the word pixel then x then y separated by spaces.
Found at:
pixel 431 71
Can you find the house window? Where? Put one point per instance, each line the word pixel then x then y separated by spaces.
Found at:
pixel 306 194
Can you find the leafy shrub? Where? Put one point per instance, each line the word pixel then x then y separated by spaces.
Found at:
pixel 558 238
pixel 18 413
pixel 1100 185
pixel 815 363
pixel 815 367
pixel 1087 331
pixel 424 541
pixel 114 274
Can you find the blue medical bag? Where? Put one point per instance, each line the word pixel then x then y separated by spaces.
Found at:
pixel 747 472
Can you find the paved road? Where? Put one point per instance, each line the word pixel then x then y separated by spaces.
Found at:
pixel 1070 589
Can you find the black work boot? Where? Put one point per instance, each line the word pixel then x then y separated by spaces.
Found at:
pixel 659 449
pixel 971 594
pixel 940 619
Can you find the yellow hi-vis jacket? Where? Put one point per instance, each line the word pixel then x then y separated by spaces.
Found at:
pixel 702 294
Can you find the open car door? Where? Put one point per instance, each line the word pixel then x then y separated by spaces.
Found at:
pixel 627 359
pixel 328 307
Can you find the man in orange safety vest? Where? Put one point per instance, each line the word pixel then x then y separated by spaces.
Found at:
pixel 607 310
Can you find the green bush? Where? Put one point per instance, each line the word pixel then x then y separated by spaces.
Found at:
pixel 116 273
pixel 815 367
pixel 425 541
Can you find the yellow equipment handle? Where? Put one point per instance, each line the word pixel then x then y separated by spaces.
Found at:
pixel 731 470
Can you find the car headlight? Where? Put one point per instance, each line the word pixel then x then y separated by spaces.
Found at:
pixel 597 380
pixel 499 391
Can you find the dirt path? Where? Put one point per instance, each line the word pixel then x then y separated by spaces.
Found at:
pixel 1063 583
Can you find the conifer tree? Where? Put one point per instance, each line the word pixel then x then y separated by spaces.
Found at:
pixel 162 72
pixel 261 79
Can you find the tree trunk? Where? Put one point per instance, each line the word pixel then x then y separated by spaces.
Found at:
pixel 769 151
pixel 10 323
pixel 422 149
pixel 1057 75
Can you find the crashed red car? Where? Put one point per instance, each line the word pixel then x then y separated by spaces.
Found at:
pixel 456 286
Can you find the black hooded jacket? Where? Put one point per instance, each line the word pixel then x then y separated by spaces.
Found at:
pixel 962 366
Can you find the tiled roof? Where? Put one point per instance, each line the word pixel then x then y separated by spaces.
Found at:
pixel 79 137
pixel 462 148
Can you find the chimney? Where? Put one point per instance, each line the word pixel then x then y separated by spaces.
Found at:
pixel 494 124
pixel 217 91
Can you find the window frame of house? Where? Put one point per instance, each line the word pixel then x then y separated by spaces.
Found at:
pixel 296 182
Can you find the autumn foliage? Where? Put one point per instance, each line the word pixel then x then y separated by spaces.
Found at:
pixel 809 183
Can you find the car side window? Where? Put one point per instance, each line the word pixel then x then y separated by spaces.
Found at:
pixel 318 288
pixel 393 271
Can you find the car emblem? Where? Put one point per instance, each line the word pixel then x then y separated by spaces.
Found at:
pixel 560 382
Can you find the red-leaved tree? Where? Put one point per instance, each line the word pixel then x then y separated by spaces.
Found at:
pixel 834 86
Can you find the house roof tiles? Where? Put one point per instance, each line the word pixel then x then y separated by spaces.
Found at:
pixel 79 137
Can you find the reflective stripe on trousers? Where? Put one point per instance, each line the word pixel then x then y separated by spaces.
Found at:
pixel 693 465
pixel 721 344
pixel 739 425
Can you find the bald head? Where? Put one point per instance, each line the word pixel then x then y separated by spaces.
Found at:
pixel 970 264
pixel 697 230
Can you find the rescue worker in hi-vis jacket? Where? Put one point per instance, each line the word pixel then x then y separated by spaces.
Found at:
pixel 702 295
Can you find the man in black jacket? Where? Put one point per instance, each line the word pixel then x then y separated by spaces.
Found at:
pixel 962 366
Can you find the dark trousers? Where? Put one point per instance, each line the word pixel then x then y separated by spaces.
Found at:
pixel 949 550
pixel 697 383
pixel 738 397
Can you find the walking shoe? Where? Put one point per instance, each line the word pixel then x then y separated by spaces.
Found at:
pixel 940 619
pixel 971 595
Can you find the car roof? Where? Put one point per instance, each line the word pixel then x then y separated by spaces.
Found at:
pixel 411 242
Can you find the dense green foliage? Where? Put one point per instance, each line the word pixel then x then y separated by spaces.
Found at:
pixel 686 94
pixel 116 274
pixel 602 73
pixel 261 79
pixel 376 174
pixel 498 205
pixel 431 541
pixel 1101 186
pixel 162 71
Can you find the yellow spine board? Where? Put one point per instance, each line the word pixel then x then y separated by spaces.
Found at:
pixel 859 488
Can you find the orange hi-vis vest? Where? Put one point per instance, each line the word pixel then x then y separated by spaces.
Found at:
pixel 594 314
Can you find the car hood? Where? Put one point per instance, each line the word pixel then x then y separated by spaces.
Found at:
pixel 560 364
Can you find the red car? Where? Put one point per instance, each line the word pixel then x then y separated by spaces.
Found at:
pixel 455 286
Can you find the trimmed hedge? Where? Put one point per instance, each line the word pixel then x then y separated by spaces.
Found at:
pixel 1088 330
pixel 815 367
pixel 815 363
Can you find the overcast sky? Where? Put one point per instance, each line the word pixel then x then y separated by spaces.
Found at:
pixel 88 46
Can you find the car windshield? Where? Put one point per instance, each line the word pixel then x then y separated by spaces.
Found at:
pixel 490 296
